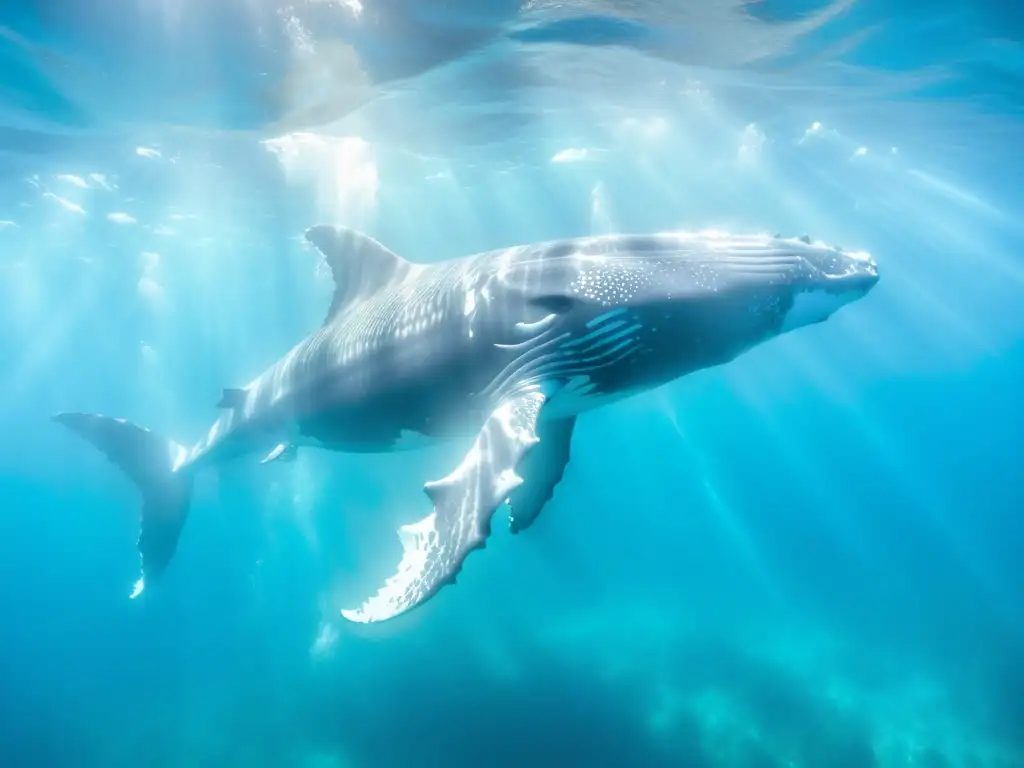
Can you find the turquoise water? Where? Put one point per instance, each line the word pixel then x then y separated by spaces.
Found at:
pixel 807 557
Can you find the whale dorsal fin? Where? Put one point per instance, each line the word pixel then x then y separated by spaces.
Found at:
pixel 232 398
pixel 359 264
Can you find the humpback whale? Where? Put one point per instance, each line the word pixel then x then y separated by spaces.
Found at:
pixel 504 348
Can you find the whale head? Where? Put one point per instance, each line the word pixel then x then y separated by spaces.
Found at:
pixel 790 282
pixel 637 311
pixel 825 279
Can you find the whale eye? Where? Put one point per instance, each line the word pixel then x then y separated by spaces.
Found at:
pixel 557 304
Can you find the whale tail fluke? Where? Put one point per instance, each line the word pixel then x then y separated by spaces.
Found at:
pixel 156 465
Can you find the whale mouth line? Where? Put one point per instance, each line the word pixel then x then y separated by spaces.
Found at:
pixel 847 265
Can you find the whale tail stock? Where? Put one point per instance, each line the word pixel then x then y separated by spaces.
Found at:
pixel 154 464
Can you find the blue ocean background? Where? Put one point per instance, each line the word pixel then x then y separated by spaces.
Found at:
pixel 809 557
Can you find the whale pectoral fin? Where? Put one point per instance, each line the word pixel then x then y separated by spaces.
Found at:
pixel 434 548
pixel 541 469
pixel 285 452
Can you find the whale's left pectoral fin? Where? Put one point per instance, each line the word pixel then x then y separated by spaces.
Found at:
pixel 434 548
pixel 542 470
